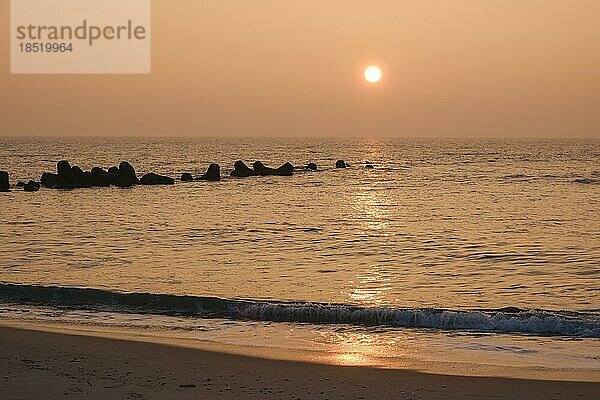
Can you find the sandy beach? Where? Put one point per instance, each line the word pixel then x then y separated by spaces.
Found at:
pixel 37 364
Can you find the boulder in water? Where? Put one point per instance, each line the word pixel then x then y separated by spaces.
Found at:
pixel 213 173
pixel 369 166
pixel 20 184
pixel 340 164
pixel 66 177
pixel 155 179
pixel 99 177
pixel 186 177
pixel 4 182
pixel 241 170
pixel 312 166
pixel 126 172
pixel 31 186
pixel 286 169
pixel 48 179
pixel 70 177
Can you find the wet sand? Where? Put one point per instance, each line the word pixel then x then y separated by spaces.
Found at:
pixel 37 364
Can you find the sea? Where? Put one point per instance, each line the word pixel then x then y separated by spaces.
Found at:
pixel 448 251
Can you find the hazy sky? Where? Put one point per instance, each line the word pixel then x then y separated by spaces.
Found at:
pixel 277 68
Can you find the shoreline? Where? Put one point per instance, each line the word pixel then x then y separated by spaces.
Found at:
pixel 77 364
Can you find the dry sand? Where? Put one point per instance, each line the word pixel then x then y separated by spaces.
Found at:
pixel 46 365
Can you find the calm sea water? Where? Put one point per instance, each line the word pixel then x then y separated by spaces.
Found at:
pixel 443 235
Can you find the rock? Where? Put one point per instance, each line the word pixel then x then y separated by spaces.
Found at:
pixel 20 184
pixel 286 169
pixel 64 169
pixel 340 164
pixel 369 166
pixel 586 181
pixel 113 174
pixel 186 177
pixel 101 178
pixel 69 178
pixel 155 179
pixel 241 170
pixel 4 182
pixel 126 171
pixel 260 169
pixel 121 181
pixel 84 176
pixel 212 174
pixel 49 179
pixel 312 166
pixel 31 186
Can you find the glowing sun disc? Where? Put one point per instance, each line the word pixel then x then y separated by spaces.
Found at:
pixel 372 74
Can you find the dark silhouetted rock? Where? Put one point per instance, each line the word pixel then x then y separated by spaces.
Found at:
pixel 121 181
pixel 4 182
pixel 312 166
pixel 286 169
pixel 68 177
pixel 113 174
pixel 241 170
pixel 586 181
pixel 64 169
pixel 126 171
pixel 340 164
pixel 186 177
pixel 260 169
pixel 49 179
pixel 20 184
pixel 155 179
pixel 212 174
pixel 369 166
pixel 31 186
pixel 100 178
pixel 83 176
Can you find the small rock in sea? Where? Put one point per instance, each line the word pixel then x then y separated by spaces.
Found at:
pixel 241 170
pixel 260 169
pixel 20 184
pixel 286 169
pixel 31 186
pixel 340 164
pixel 312 166
pixel 586 181
pixel 49 179
pixel 212 174
pixel 101 178
pixel 155 179
pixel 369 166
pixel 126 171
pixel 69 178
pixel 186 177
pixel 4 182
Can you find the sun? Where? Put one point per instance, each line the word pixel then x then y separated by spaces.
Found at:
pixel 373 74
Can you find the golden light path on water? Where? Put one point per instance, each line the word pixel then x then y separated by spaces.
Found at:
pixel 459 225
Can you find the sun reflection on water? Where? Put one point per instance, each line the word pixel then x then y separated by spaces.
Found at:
pixel 370 286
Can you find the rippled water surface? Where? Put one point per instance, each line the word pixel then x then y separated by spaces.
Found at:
pixel 454 224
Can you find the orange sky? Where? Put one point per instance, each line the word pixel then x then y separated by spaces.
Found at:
pixel 480 68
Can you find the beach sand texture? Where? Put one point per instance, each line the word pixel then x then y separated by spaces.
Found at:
pixel 36 365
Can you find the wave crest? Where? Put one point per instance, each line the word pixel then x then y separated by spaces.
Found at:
pixel 504 320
